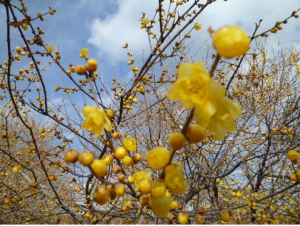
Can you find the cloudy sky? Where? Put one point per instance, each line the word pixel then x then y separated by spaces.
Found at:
pixel 104 26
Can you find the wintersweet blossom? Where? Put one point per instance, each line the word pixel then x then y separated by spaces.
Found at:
pixel 130 143
pixel 84 52
pixel 227 111
pixel 197 26
pixel 140 176
pixel 160 205
pixel 174 179
pixel 195 89
pixel 96 120
pixel 158 158
pixel 50 48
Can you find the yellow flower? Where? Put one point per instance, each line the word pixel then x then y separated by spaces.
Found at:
pixel 174 179
pixel 145 20
pixel 158 188
pixel 85 51
pixel 96 120
pixel 25 26
pixel 143 175
pixel 195 89
pixel 130 143
pixel 158 158
pixel 194 86
pixel 223 118
pixel 231 41
pixel 49 48
pixel 197 26
pixel 160 205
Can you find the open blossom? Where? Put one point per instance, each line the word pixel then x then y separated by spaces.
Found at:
pixel 84 52
pixel 50 48
pixel 160 205
pixel 192 86
pixel 130 143
pixel 142 176
pixel 174 179
pixel 223 118
pixel 96 120
pixel 158 158
pixel 197 26
pixel 195 89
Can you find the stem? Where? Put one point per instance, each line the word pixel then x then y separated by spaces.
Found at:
pixel 93 91
pixel 214 66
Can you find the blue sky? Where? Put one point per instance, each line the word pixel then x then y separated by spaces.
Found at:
pixel 104 26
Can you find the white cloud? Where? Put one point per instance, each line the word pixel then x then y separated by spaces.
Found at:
pixel 111 33
pixel 248 12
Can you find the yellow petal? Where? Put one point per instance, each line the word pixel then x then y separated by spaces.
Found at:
pixel 217 131
pixel 216 90
pixel 184 70
pixel 203 113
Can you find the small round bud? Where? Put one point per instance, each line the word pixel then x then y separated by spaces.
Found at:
pixel 195 133
pixel 293 177
pixel 225 216
pixel 86 158
pixel 231 41
pixel 71 156
pixel 80 69
pixel 120 152
pixel 293 155
pixel 120 189
pixel 183 218
pixel 99 167
pixel 108 159
pixel 127 161
pixel 91 65
pixel 177 141
pixel 144 200
pixel 110 113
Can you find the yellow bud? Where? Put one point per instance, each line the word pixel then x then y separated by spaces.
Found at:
pixel 101 195
pixel 91 65
pixel 127 161
pixel 225 215
pixel 195 133
pixel 238 195
pixel 99 167
pixel 120 189
pixel 183 218
pixel 80 69
pixel 86 158
pixel 120 153
pixel 293 155
pixel 197 26
pixel 293 177
pixel 108 159
pixel 158 188
pixel 177 141
pixel 110 113
pixel 144 200
pixel 145 186
pixel 231 41
pixel 174 205
pixel 130 179
pixel 71 156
